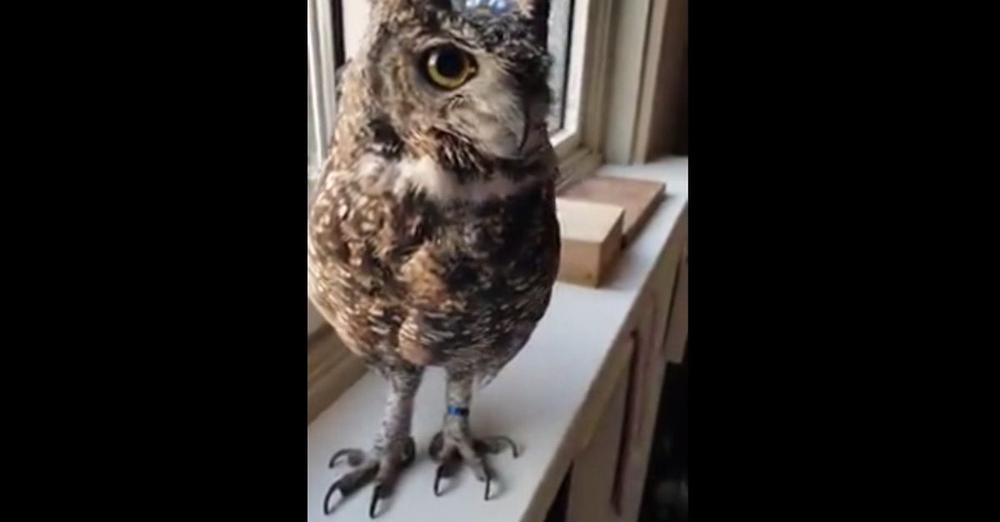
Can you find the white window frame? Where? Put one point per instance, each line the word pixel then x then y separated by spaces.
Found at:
pixel 322 72
pixel 580 141
pixel 580 135
pixel 321 60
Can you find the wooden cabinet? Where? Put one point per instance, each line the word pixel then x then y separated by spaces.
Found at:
pixel 592 479
pixel 608 475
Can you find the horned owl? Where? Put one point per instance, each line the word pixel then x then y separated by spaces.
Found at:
pixel 433 238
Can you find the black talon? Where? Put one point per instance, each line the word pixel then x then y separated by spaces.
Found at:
pixel 437 479
pixel 375 497
pixel 326 500
pixel 489 478
pixel 337 455
pixel 513 447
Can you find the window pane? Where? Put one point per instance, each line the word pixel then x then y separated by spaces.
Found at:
pixel 560 25
pixel 311 133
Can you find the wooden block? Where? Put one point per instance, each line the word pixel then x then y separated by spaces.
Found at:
pixel 591 240
pixel 638 197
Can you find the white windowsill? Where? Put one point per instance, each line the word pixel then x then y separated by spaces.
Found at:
pixel 540 400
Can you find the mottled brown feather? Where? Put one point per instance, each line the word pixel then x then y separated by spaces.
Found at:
pixel 456 273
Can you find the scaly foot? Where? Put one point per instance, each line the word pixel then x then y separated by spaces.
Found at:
pixel 450 449
pixel 382 465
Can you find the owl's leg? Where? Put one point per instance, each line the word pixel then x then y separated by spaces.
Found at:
pixel 393 450
pixel 454 444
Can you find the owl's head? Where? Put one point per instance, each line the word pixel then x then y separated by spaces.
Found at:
pixel 466 74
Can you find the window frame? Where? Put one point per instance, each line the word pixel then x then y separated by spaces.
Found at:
pixel 585 76
pixel 321 52
pixel 323 46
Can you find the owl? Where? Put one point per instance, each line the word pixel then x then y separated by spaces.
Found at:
pixel 433 238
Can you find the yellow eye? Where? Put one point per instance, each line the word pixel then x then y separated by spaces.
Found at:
pixel 449 67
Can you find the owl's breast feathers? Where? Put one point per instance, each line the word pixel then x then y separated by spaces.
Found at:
pixel 402 276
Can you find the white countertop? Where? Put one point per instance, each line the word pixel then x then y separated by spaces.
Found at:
pixel 536 400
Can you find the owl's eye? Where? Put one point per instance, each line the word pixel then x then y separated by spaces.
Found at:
pixel 449 67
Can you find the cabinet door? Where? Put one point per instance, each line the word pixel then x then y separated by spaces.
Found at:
pixel 647 373
pixel 637 429
pixel 675 337
pixel 592 481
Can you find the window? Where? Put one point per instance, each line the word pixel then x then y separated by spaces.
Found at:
pixel 335 31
